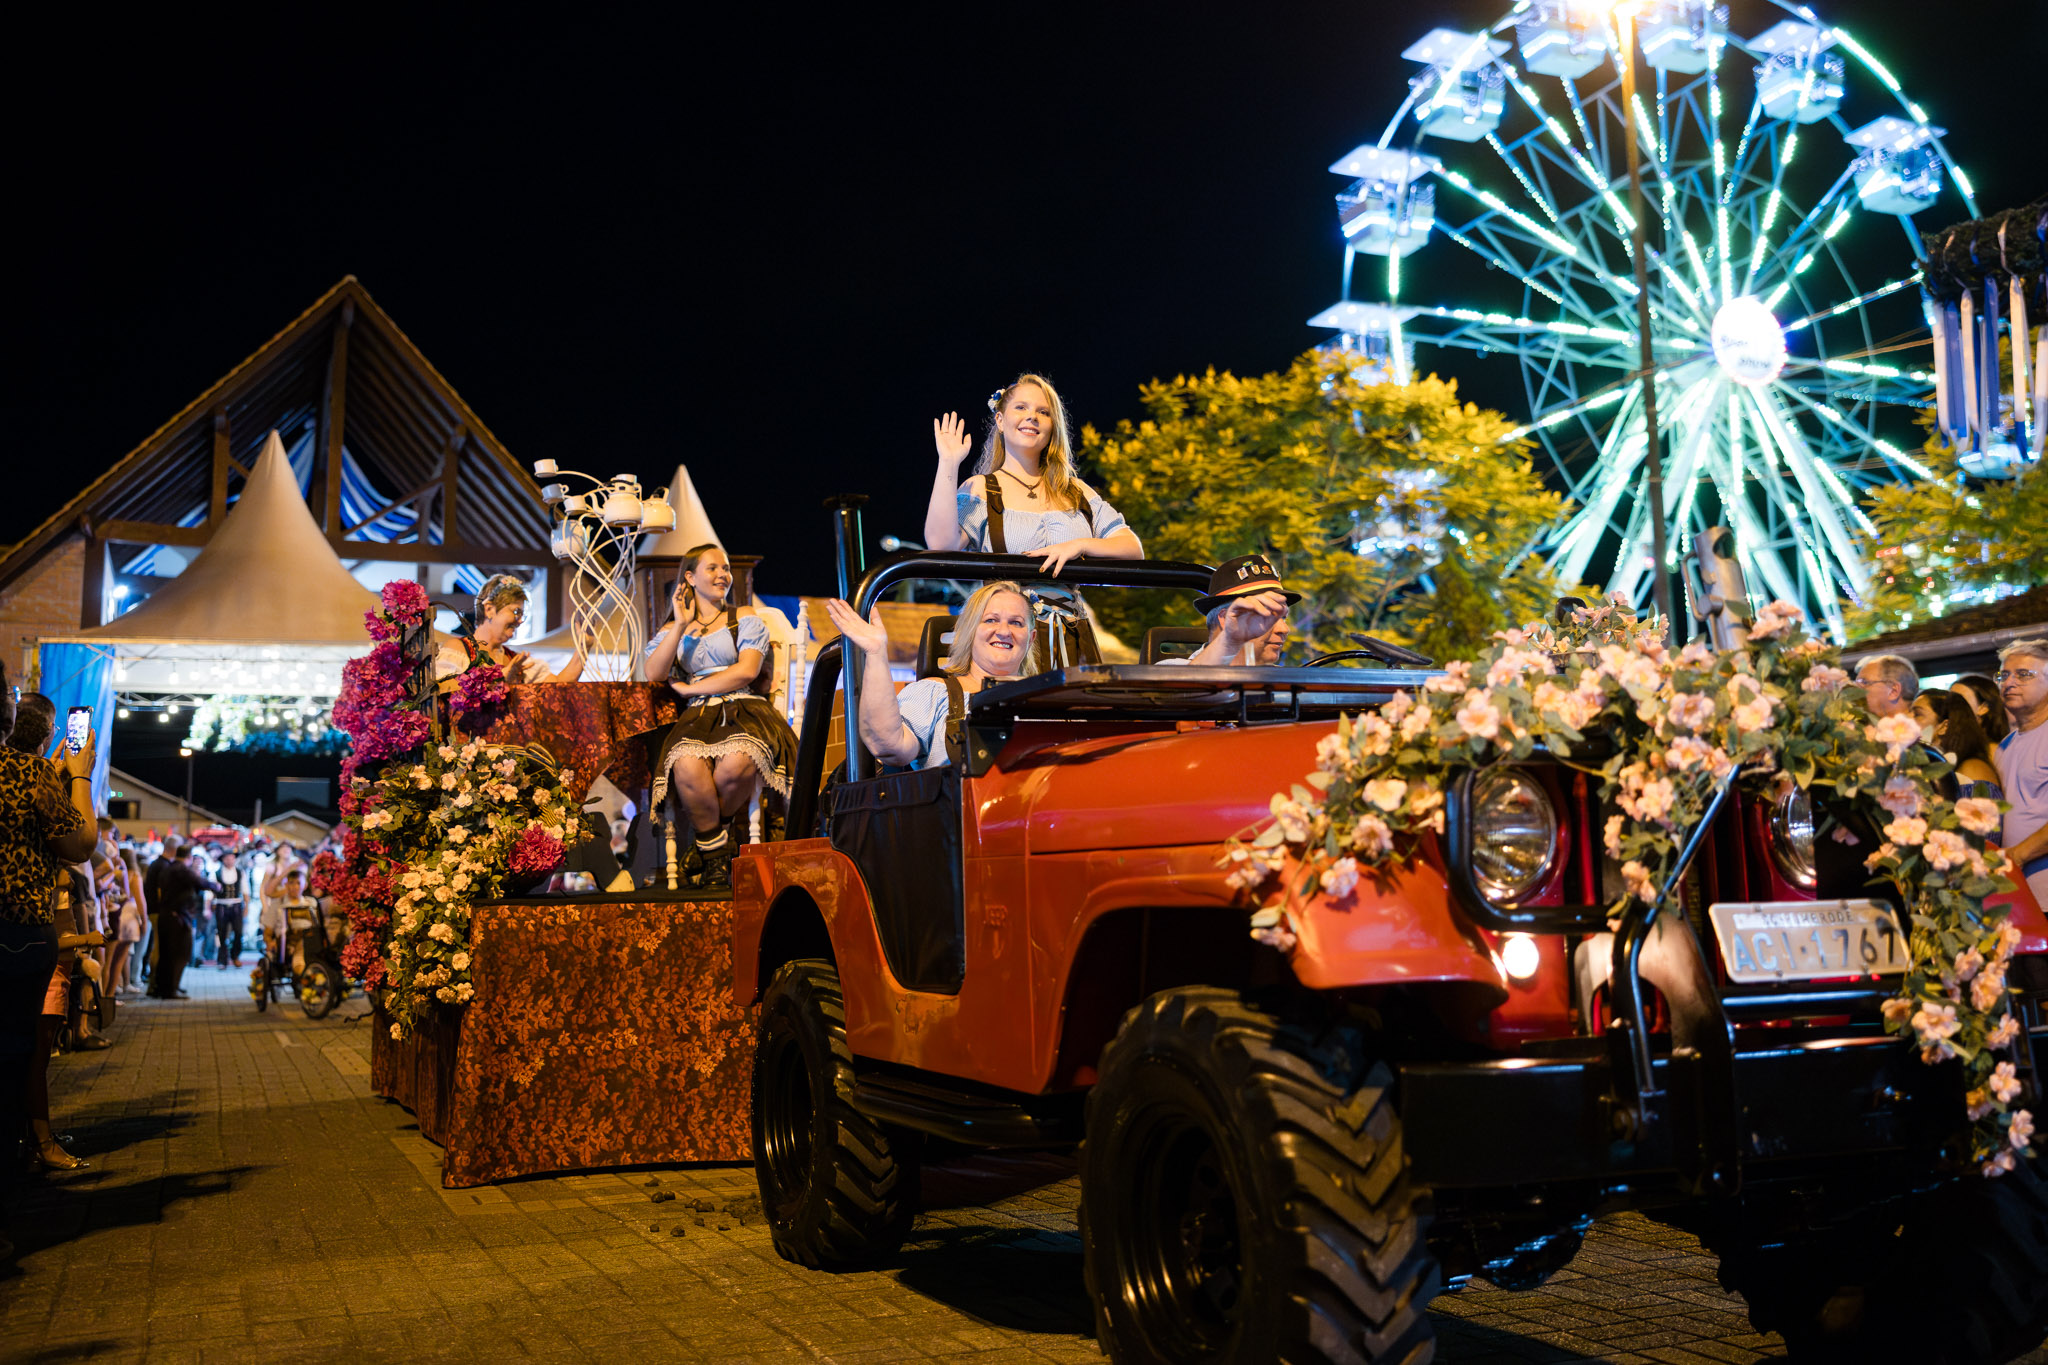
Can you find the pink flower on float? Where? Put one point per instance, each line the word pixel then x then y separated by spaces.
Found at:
pixel 1292 818
pixel 1271 927
pixel 1774 619
pixel 1696 654
pixel 1999 1165
pixel 1340 877
pixel 1987 990
pixel 1897 733
pixel 1882 853
pixel 405 600
pixel 2007 1032
pixel 1908 830
pixel 1934 1054
pixel 1637 879
pixel 1423 800
pixel 1398 706
pixel 1901 796
pixel 1824 678
pixel 1331 751
pixel 1946 849
pixel 1611 836
pixel 1373 735
pixel 1897 1011
pixel 1968 963
pixel 1977 814
pixel 536 851
pixel 1693 710
pixel 1457 676
pixel 1387 793
pixel 1977 1104
pixel 1479 717
pixel 1372 836
pixel 1935 1023
pixel 2020 1131
pixel 2005 1082
pixel 2009 937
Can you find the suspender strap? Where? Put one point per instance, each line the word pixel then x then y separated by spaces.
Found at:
pixel 956 720
pixel 992 491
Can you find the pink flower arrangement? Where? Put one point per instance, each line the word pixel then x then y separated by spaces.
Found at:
pixel 478 692
pixel 537 851
pixel 405 601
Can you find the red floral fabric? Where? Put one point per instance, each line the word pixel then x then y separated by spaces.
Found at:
pixel 590 727
pixel 602 1034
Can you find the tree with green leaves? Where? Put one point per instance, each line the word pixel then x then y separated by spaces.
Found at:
pixel 1395 510
pixel 1949 535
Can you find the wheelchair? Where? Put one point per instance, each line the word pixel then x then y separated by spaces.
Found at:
pixel 306 959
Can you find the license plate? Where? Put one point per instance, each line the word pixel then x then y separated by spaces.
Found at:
pixel 1765 941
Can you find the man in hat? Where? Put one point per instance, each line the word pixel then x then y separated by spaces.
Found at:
pixel 1247 612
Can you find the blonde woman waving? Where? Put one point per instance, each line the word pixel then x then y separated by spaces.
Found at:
pixel 1024 497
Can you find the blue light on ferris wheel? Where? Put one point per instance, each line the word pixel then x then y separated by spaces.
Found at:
pixel 1897 170
pixel 1564 38
pixel 1800 79
pixel 1463 93
pixel 1680 35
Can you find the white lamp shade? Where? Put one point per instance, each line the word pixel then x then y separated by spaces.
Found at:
pixel 622 507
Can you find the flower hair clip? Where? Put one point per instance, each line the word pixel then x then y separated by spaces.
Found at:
pixel 995 400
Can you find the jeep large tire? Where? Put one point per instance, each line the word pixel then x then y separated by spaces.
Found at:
pixel 1958 1276
pixel 838 1189
pixel 1237 1205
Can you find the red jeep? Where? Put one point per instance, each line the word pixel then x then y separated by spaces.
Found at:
pixel 1286 1158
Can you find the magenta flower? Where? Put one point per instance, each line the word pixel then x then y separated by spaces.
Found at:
pixel 536 851
pixel 481 690
pixel 405 601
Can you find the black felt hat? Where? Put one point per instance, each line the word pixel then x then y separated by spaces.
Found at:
pixel 1239 577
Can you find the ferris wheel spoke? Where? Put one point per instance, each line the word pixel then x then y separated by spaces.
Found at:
pixel 1900 460
pixel 1826 497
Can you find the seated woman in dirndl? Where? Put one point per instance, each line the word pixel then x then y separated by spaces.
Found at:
pixel 729 742
pixel 500 610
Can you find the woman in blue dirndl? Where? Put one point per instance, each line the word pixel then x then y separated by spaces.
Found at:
pixel 729 742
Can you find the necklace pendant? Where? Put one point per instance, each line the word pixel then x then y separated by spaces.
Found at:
pixel 1032 494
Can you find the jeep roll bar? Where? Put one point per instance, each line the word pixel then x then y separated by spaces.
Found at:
pixel 908 564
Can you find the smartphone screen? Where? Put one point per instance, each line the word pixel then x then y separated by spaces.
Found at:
pixel 77 725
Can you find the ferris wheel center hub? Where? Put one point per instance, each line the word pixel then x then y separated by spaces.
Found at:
pixel 1749 344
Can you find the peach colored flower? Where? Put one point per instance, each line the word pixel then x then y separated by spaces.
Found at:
pixel 1978 1104
pixel 1479 717
pixel 1880 854
pixel 1978 815
pixel 1775 618
pixel 1693 710
pixel 1968 963
pixel 1612 836
pixel 1292 817
pixel 1897 1011
pixel 1987 990
pixel 1457 676
pixel 2020 1131
pixel 1935 1023
pixel 1372 837
pixel 1946 849
pixel 1340 877
pixel 2005 1082
pixel 1999 1165
pixel 1387 793
pixel 1909 830
pixel 1331 751
pixel 1824 678
pixel 1897 733
pixel 1900 796
pixel 1397 707
pixel 2007 1032
pixel 1637 879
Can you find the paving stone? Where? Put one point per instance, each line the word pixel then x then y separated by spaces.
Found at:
pixel 249 1200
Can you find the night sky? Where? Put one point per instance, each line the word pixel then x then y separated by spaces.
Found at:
pixel 770 241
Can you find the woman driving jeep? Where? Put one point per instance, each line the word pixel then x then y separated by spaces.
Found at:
pixel 994 640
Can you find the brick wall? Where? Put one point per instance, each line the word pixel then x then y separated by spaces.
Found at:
pixel 43 600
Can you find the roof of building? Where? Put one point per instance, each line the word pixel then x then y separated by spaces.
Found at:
pixel 341 372
pixel 127 784
pixel 1966 637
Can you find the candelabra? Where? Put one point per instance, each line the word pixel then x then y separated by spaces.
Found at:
pixel 596 533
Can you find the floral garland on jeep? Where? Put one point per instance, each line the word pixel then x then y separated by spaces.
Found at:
pixel 430 828
pixel 1779 713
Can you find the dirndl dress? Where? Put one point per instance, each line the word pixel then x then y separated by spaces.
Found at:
pixel 734 723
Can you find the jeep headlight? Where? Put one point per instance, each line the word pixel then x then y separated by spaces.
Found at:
pixel 1514 835
pixel 1792 838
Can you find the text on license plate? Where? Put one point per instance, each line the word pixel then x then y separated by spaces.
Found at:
pixel 1802 940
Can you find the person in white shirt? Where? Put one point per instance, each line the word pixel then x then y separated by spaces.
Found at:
pixel 2022 679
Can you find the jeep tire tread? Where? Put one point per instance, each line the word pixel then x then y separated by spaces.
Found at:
pixel 1238 1205
pixel 1957 1276
pixel 837 1188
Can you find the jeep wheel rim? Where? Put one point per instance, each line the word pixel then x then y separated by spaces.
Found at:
pixel 787 1116
pixel 1183 1250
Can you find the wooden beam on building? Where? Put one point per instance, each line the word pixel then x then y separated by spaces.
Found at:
pixel 333 421
pixel 217 500
pixel 150 533
pixel 451 484
pixel 92 597
pixel 408 552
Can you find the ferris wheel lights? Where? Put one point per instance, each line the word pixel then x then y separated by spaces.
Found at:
pixel 1898 169
pixel 1679 35
pixel 1564 38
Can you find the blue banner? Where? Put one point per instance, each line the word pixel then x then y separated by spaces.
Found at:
pixel 83 675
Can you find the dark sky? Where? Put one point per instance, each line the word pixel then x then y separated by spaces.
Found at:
pixel 771 241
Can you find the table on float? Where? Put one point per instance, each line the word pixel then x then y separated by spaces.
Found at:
pixel 603 1031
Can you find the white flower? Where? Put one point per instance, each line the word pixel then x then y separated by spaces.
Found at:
pixel 1693 710
pixel 464 799
pixel 1373 735
pixel 1977 814
pixel 457 834
pixel 460 962
pixel 441 933
pixel 447 782
pixel 1292 818
pixel 1968 963
pixel 1331 751
pixel 1341 877
pixel 447 752
pixel 1900 796
pixel 1372 837
pixel 1387 793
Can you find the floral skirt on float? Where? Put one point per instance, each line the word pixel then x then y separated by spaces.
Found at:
pixel 737 723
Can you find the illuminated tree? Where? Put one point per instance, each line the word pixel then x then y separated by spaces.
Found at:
pixel 1396 509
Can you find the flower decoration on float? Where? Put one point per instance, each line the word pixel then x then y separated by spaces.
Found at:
pixel 431 826
pixel 1778 716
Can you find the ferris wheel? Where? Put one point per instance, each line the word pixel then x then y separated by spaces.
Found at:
pixel 1784 310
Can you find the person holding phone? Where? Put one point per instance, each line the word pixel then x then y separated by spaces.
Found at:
pixel 46 823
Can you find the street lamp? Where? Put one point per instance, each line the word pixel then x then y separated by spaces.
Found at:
pixel 185 752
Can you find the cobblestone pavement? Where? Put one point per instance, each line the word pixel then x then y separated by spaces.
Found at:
pixel 249 1200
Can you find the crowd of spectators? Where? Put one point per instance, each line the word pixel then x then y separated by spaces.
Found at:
pixel 90 916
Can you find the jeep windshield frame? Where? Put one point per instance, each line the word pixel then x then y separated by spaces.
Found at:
pixel 1148 692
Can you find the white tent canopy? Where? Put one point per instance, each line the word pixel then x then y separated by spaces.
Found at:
pixel 267 607
pixel 693 523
